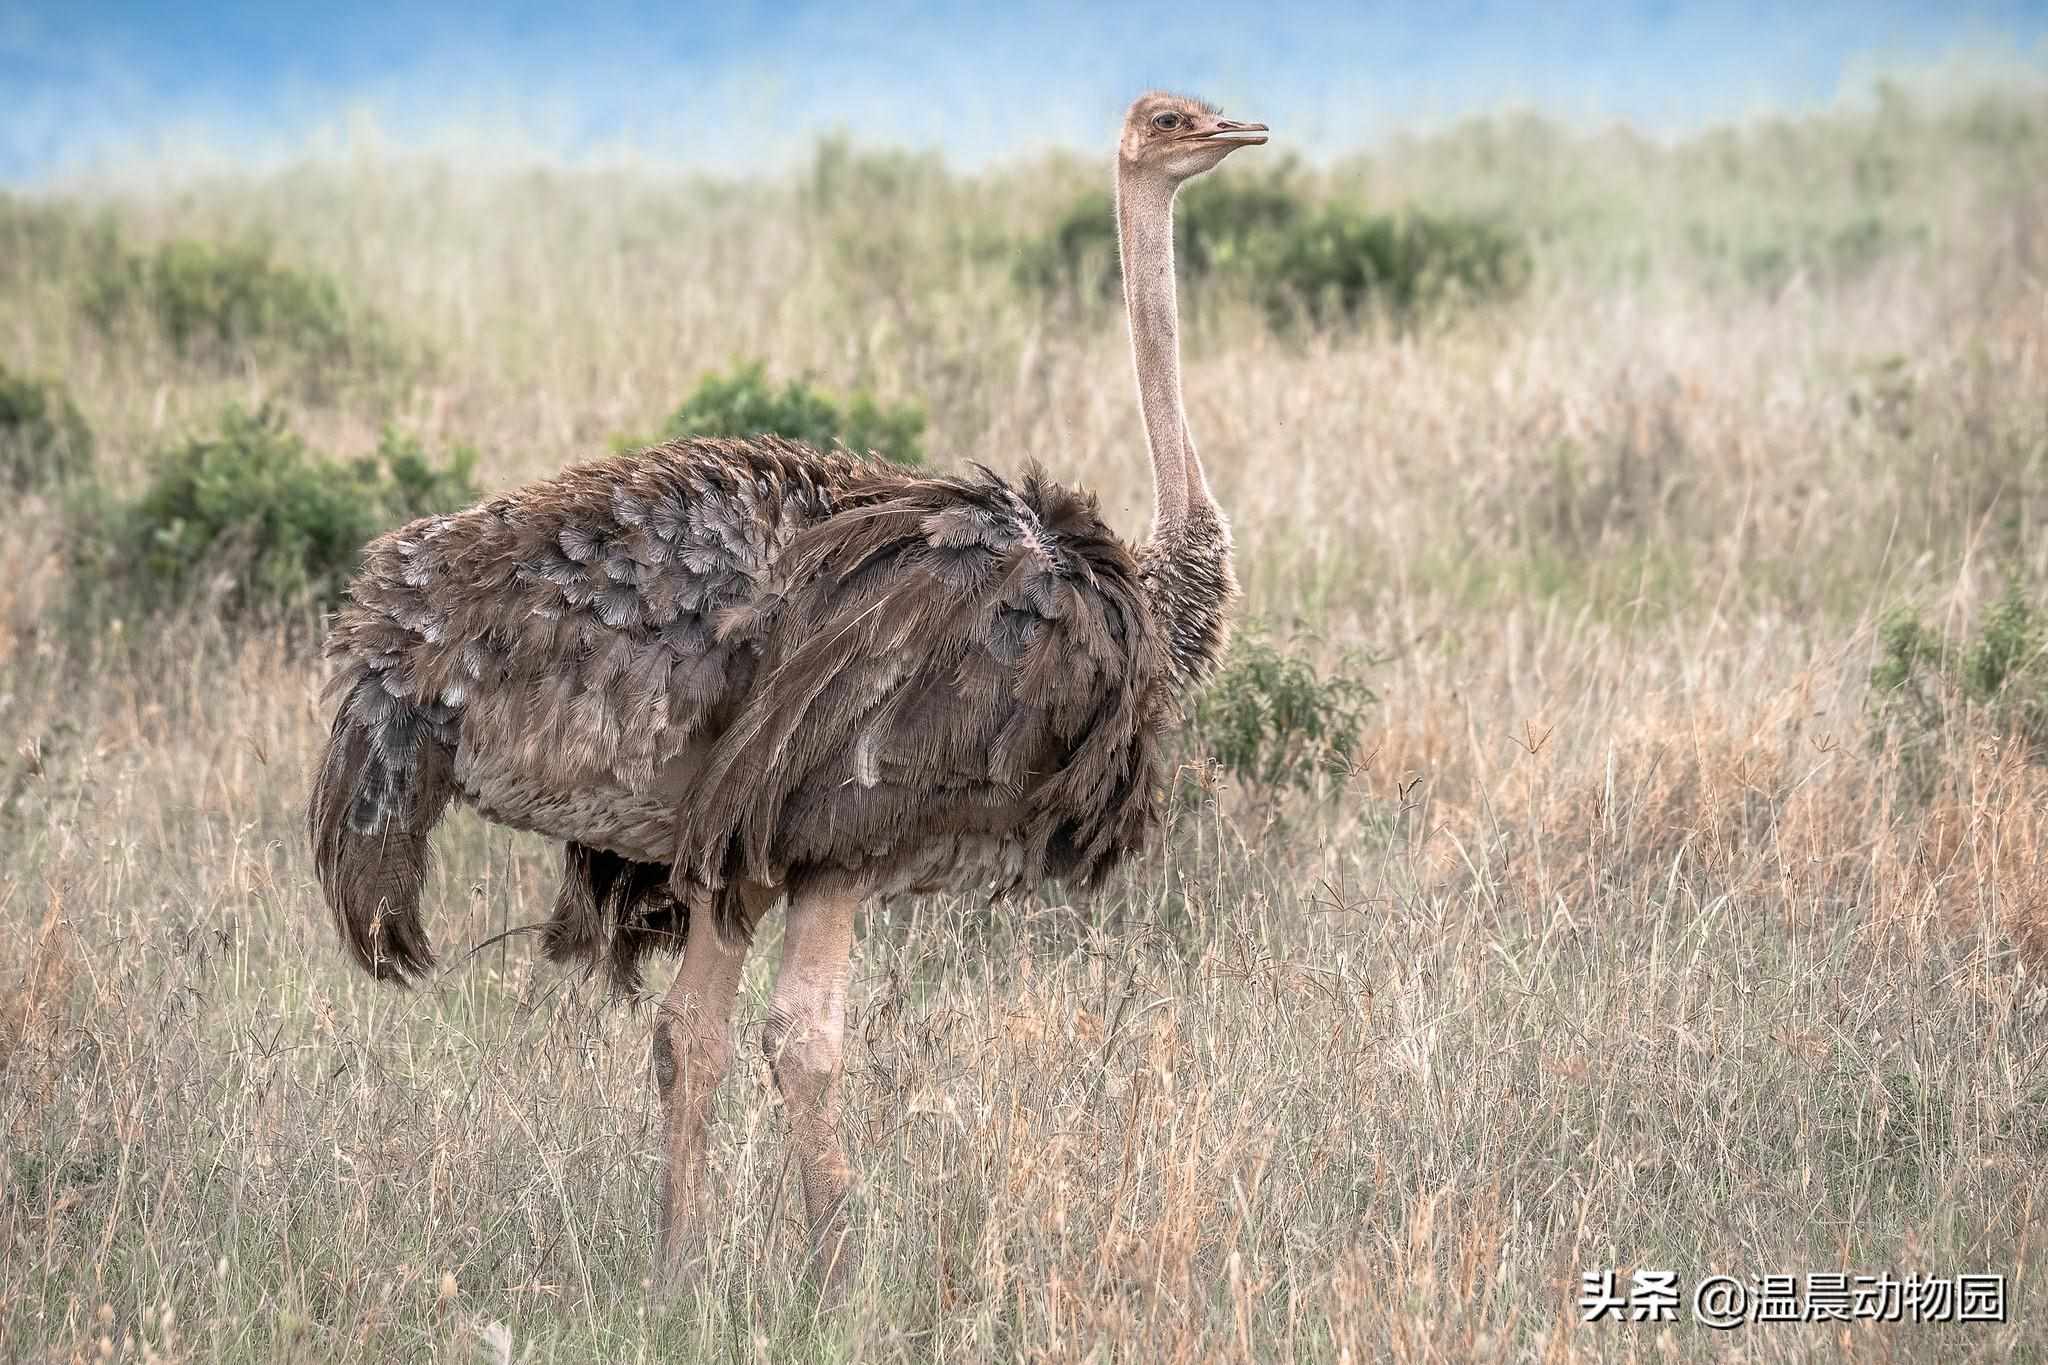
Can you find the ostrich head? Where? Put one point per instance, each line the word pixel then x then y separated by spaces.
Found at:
pixel 1170 139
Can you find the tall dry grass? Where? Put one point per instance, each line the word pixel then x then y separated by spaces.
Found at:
pixel 1628 942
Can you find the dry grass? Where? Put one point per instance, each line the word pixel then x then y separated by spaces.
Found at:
pixel 1628 944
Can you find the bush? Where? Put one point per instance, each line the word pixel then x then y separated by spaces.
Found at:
pixel 43 438
pixel 1329 264
pixel 1081 247
pixel 1213 223
pixel 1921 683
pixel 1270 720
pixel 1334 265
pixel 257 520
pixel 743 403
pixel 216 302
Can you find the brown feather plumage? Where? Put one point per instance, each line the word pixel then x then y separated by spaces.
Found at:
pixel 957 688
pixel 731 661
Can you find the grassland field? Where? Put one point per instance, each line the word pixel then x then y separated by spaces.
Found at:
pixel 1642 929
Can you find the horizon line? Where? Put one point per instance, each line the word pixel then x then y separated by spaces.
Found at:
pixel 517 136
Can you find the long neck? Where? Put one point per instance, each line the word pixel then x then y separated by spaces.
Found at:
pixel 1187 562
pixel 1144 219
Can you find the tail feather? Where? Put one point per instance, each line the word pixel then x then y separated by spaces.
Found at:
pixel 383 784
pixel 614 910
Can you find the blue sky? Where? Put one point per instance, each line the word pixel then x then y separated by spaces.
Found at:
pixel 88 84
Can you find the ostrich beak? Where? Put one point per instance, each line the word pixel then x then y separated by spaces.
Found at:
pixel 1241 134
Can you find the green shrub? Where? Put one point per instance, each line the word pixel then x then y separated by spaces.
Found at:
pixel 1329 264
pixel 252 516
pixel 406 483
pixel 1273 722
pixel 43 438
pixel 1081 247
pixel 1216 219
pixel 744 403
pixel 1922 684
pixel 214 303
pixel 1333 265
pixel 1213 222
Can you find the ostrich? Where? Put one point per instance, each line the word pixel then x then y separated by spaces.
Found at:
pixel 729 673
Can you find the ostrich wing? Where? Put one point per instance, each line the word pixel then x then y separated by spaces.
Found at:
pixel 563 637
pixel 955 683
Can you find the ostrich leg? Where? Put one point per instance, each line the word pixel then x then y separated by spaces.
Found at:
pixel 692 1046
pixel 805 1041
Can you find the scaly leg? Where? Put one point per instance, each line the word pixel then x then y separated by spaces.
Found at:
pixel 692 1046
pixel 805 1039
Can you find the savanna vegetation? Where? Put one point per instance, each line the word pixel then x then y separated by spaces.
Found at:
pixel 1617 840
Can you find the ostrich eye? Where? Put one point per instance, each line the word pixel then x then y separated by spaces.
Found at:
pixel 1166 123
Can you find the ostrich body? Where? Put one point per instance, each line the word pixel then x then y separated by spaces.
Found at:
pixel 726 672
